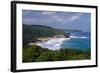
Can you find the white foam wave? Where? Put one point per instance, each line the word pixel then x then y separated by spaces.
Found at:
pixel 53 44
pixel 78 37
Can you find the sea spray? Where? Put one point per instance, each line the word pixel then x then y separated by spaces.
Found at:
pixel 53 44
pixel 76 41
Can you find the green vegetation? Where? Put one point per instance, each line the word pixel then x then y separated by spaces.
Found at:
pixel 32 32
pixel 38 54
pixel 34 53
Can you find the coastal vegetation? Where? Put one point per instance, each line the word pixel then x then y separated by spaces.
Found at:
pixel 32 32
pixel 41 33
pixel 55 36
pixel 38 54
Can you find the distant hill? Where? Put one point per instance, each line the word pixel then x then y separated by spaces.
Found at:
pixel 36 31
pixel 71 30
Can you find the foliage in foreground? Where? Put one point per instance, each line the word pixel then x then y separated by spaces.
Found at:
pixel 38 54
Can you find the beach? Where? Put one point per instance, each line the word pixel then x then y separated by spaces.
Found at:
pixel 52 43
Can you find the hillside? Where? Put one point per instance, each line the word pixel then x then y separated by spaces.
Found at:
pixel 32 32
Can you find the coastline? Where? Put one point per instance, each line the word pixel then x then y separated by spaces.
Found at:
pixel 50 43
pixel 58 43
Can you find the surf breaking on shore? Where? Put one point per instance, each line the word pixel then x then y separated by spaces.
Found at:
pixel 52 44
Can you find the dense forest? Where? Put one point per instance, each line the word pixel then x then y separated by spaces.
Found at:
pixel 38 54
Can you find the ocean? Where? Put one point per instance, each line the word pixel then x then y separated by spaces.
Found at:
pixel 77 40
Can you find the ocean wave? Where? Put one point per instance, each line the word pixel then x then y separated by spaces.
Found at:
pixel 78 37
pixel 53 44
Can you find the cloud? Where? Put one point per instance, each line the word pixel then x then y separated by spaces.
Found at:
pixel 57 18
pixel 36 21
pixel 75 17
pixel 50 17
pixel 68 19
pixel 48 13
pixel 65 18
pixel 28 20
pixel 26 12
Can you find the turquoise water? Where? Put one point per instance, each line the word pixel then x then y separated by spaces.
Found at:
pixel 78 40
pixel 78 43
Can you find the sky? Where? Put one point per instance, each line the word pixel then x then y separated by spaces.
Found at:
pixel 56 19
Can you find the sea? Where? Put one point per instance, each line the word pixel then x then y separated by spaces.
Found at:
pixel 77 40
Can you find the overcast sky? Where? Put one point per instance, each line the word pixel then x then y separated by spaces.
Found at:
pixel 61 20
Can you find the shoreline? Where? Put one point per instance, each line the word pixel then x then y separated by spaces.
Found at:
pixel 50 43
